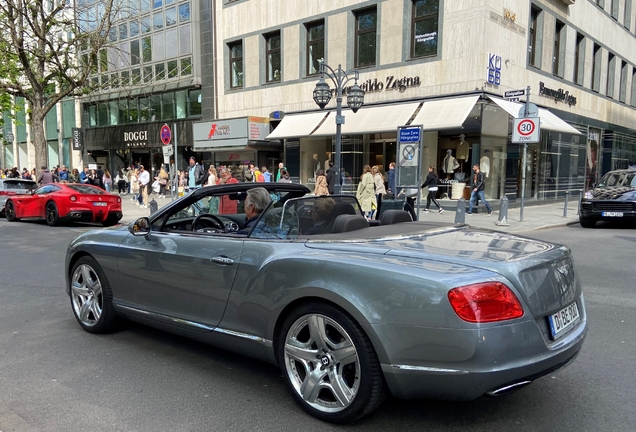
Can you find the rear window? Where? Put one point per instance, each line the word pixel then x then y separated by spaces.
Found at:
pixel 88 190
pixel 19 184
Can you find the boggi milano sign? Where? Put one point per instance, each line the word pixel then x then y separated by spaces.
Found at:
pixel 136 139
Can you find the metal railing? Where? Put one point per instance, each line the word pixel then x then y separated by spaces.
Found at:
pixel 567 200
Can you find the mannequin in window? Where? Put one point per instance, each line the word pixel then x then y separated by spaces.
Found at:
pixel 484 163
pixel 316 164
pixel 462 148
pixel 450 164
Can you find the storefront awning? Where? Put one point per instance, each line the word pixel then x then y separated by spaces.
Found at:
pixel 445 113
pixel 549 121
pixel 369 120
pixel 294 126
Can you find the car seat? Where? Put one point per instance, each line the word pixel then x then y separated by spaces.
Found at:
pixel 346 222
pixel 391 217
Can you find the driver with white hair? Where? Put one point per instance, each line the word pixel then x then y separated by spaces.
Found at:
pixel 256 201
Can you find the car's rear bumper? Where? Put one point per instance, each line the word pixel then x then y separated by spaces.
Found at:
pixel 467 364
pixel 92 216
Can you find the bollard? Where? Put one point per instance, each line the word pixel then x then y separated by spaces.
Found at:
pixel 565 207
pixel 152 205
pixel 460 214
pixel 503 212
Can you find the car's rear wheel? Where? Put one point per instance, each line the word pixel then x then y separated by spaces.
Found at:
pixel 329 364
pixel 51 215
pixel 587 223
pixel 92 297
pixel 9 212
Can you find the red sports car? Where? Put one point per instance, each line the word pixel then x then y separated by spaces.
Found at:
pixel 65 202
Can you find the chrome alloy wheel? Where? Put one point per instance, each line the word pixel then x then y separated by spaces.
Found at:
pixel 322 363
pixel 87 296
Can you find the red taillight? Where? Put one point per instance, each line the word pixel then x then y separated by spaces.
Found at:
pixel 73 198
pixel 485 302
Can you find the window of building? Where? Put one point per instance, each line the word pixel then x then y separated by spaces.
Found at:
pixel 627 17
pixel 622 94
pixel 135 56
pixel 173 69
pixel 315 46
pixel 167 106
pixel 579 59
pixel 123 31
pixel 157 3
pixel 615 9
pixel 146 49
pixel 186 66
pixel 184 12
pixel 160 71
pixel 144 109
pixel 171 16
pixel 125 79
pixel 559 49
pixel 272 57
pixel 424 28
pixel 366 35
pixel 103 60
pixel 633 97
pixel 133 112
pixel 236 64
pixel 134 29
pixel 146 27
pixel 611 75
pixel 535 37
pixel 600 3
pixel 181 104
pixel 148 74
pixel 194 103
pixel 596 68
pixel 136 76
pixel 112 35
pixel 157 21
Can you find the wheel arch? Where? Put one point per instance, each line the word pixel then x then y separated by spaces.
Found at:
pixel 342 304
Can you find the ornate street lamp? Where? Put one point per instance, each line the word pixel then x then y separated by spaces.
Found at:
pixel 355 99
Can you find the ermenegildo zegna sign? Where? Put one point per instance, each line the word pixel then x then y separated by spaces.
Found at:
pixel 558 95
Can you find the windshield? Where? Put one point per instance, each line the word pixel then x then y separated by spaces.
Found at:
pixel 19 184
pixel 618 179
pixel 83 189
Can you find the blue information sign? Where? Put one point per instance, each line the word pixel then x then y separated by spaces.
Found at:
pixel 408 135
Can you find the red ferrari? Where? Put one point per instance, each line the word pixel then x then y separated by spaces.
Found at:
pixel 65 202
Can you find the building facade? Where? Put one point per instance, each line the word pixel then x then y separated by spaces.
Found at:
pixel 445 65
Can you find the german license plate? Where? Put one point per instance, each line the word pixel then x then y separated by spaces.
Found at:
pixel 100 204
pixel 612 214
pixel 564 320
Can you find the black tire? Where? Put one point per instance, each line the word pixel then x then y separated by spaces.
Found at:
pixel 51 214
pixel 9 212
pixel 363 374
pixel 90 274
pixel 109 222
pixel 587 223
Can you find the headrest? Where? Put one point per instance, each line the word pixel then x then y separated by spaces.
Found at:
pixel 390 217
pixel 346 223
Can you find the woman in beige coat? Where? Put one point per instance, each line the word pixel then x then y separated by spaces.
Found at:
pixel 366 192
pixel 321 184
pixel 378 181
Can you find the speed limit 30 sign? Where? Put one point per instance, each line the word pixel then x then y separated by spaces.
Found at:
pixel 526 130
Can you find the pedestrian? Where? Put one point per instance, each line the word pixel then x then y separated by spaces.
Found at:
pixel 45 176
pixel 107 180
pixel 227 205
pixel 212 176
pixel 249 173
pixel 63 174
pixel 99 176
pixel 378 181
pixel 477 184
pixel 331 178
pixel 144 180
pixel 194 174
pixel 134 186
pixel 84 177
pixel 73 176
pixel 281 167
pixel 26 175
pixel 284 176
pixel 321 184
pixel 267 176
pixel 121 181
pixel 431 182
pixel 391 175
pixel 366 192
pixel 162 178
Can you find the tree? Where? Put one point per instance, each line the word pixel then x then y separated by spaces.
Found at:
pixel 49 48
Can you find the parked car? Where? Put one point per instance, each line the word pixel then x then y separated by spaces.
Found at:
pixel 13 186
pixel 613 198
pixel 65 202
pixel 351 313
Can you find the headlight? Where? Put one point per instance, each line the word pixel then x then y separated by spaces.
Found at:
pixel 588 195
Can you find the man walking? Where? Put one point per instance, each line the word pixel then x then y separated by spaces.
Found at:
pixel 45 176
pixel 281 167
pixel 83 176
pixel 391 175
pixel 331 178
pixel 477 185
pixel 194 174
pixel 144 179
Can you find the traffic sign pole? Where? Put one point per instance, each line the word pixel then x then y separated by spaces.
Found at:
pixel 523 160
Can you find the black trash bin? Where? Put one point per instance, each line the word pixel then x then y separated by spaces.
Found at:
pixel 152 205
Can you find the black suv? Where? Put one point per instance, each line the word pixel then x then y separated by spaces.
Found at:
pixel 614 198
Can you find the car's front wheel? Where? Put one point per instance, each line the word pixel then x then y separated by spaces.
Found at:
pixel 91 296
pixel 329 364
pixel 587 223
pixel 9 212
pixel 52 215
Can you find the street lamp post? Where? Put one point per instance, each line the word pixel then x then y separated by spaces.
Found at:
pixel 355 99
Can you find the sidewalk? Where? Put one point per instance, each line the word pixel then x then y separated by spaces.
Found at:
pixel 535 215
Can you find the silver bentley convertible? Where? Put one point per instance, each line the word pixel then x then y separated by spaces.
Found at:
pixel 353 311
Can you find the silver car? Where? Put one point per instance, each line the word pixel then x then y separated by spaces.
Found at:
pixel 351 310
pixel 14 186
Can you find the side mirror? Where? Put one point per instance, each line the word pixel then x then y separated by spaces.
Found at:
pixel 140 227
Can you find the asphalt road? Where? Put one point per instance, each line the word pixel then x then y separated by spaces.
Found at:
pixel 56 377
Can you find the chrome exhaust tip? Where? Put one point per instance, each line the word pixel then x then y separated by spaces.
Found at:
pixel 508 388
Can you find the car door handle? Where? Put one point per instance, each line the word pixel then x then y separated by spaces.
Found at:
pixel 222 260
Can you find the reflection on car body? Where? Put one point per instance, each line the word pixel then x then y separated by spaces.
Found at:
pixel 351 310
